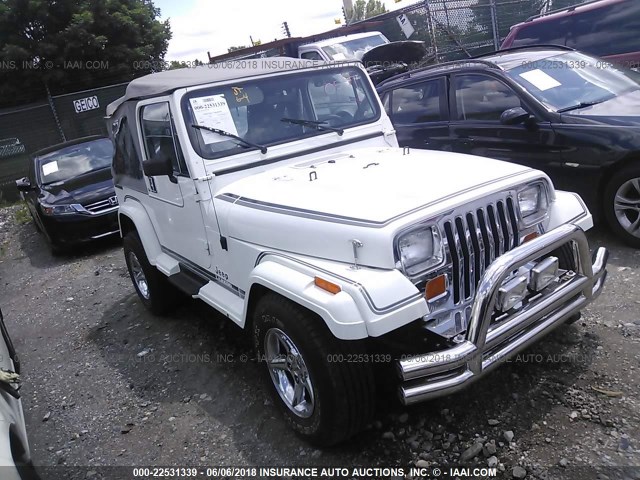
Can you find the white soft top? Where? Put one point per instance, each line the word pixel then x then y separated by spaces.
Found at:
pixel 166 82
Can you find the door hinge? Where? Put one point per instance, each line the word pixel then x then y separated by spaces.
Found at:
pixel 206 178
pixel 223 243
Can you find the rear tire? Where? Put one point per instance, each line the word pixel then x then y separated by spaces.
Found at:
pixel 152 286
pixel 622 205
pixel 296 350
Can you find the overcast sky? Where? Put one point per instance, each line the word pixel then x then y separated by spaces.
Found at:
pixel 199 26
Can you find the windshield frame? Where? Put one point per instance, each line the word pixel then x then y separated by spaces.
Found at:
pixel 194 134
pixel 572 60
pixel 45 158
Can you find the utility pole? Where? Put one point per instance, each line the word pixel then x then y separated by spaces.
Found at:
pixel 494 24
pixel 285 27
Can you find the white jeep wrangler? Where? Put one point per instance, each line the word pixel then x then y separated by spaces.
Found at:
pixel 275 192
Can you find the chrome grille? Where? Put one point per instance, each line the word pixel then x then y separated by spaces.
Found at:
pixel 474 239
pixel 105 204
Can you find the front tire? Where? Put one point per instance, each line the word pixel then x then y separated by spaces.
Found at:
pixel 325 395
pixel 153 287
pixel 622 205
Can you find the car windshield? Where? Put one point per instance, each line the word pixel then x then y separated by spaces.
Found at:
pixel 353 49
pixel 74 160
pixel 574 80
pixel 277 109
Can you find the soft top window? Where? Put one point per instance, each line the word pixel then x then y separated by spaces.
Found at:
pixel 277 109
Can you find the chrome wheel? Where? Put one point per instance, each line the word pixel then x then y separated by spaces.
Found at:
pixel 626 205
pixel 289 373
pixel 138 275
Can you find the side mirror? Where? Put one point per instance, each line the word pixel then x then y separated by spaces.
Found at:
pixel 24 185
pixel 158 165
pixel 513 116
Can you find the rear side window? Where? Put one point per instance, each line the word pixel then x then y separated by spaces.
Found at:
pixel 547 32
pixel 418 103
pixel 610 30
pixel 159 135
pixel 483 98
pixel 125 158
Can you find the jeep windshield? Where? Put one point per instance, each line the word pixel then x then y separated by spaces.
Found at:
pixel 260 112
pixel 571 81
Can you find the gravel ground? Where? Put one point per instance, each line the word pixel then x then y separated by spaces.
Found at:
pixel 108 384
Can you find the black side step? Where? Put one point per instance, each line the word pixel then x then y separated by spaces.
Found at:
pixel 188 281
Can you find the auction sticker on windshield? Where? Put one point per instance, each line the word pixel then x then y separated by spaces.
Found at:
pixel 49 168
pixel 539 79
pixel 213 111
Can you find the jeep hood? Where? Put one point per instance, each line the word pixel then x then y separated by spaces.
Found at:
pixel 300 208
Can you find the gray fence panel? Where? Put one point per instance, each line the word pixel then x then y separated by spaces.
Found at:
pixel 24 130
pixel 82 113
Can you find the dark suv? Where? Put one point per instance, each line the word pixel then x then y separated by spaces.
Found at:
pixel 606 28
pixel 573 116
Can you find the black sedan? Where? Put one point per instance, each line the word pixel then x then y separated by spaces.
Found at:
pixel 574 116
pixel 70 192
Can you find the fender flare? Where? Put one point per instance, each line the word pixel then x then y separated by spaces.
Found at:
pixel 137 214
pixel 339 311
pixel 569 207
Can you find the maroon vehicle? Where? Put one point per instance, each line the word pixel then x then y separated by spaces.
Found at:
pixel 605 28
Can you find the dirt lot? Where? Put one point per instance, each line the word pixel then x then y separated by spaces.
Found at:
pixel 106 383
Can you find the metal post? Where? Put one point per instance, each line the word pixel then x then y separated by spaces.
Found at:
pixel 446 13
pixel 55 113
pixel 432 32
pixel 494 24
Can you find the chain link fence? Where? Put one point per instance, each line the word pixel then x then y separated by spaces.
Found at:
pixel 454 29
pixel 26 129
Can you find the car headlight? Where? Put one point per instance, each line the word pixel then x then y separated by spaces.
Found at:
pixel 533 203
pixel 419 250
pixel 58 209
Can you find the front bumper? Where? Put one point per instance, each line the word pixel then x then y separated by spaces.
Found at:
pixel 78 228
pixel 487 345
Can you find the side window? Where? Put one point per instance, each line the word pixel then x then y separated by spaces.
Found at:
pixel 484 98
pixel 125 158
pixel 548 32
pixel 312 55
pixel 159 135
pixel 418 103
pixel 611 29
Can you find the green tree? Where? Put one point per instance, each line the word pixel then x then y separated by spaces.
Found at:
pixel 76 44
pixel 363 9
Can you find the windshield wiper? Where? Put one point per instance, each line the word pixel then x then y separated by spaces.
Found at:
pixel 262 148
pixel 579 105
pixel 318 125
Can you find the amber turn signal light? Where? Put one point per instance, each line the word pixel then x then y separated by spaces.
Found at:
pixel 327 285
pixel 530 236
pixel 436 287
